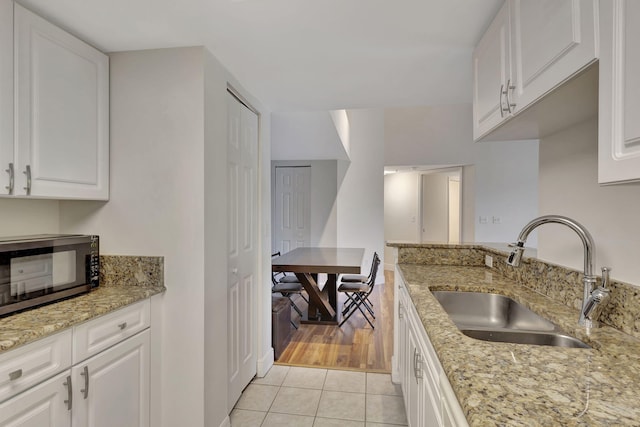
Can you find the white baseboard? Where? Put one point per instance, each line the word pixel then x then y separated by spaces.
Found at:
pixel 389 267
pixel 265 363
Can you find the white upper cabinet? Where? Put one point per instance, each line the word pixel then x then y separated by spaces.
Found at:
pixel 62 113
pixel 619 93
pixel 551 40
pixel 491 75
pixel 532 48
pixel 6 94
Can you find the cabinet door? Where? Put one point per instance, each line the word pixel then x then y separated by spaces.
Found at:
pixel 491 75
pixel 6 95
pixel 401 354
pixel 619 92
pixel 46 404
pixel 413 384
pixel 429 402
pixel 112 388
pixel 62 117
pixel 551 41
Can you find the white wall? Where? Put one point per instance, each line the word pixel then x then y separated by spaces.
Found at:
pixel 307 136
pixel 401 210
pixel 341 122
pixel 496 186
pixel 360 199
pixel 21 217
pixel 506 190
pixel 168 184
pixel 324 188
pixel 568 186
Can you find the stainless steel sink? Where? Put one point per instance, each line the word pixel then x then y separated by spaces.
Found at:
pixel 557 339
pixel 492 317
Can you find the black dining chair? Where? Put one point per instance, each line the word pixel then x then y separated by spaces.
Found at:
pixel 357 294
pixel 361 277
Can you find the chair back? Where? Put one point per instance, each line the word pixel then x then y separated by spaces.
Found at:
pixel 274 278
pixel 374 270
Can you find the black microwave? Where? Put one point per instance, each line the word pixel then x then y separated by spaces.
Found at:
pixel 45 268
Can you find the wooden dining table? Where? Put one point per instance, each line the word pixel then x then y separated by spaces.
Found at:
pixel 306 263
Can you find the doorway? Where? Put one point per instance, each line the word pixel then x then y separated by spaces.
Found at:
pixel 440 205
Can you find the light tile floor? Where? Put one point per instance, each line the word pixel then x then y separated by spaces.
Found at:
pixel 301 397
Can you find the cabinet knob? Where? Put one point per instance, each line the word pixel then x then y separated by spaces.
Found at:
pixel 15 374
pixel 28 173
pixel 122 325
pixel 85 374
pixel 11 179
pixel 69 400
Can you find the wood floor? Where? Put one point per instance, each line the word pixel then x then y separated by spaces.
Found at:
pixel 354 345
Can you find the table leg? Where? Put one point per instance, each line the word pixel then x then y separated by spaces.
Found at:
pixel 331 289
pixel 316 301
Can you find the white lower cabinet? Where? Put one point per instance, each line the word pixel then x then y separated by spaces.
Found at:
pixel 112 388
pixel 43 405
pixel 428 397
pixel 41 385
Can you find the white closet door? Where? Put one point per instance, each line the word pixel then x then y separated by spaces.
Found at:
pixel 242 282
pixel 293 208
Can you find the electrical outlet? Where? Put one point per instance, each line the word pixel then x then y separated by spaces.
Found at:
pixel 483 220
pixel 497 220
pixel 488 261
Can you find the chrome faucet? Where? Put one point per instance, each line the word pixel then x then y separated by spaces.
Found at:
pixel 591 299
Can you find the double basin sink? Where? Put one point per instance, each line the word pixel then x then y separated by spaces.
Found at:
pixel 493 317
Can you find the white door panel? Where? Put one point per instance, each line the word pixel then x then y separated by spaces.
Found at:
pixel 242 165
pixel 293 208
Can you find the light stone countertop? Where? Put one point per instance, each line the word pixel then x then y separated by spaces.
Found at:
pixel 504 384
pixel 124 280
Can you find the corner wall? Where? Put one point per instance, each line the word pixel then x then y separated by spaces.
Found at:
pixel 156 208
pixel 168 198
pixel 569 186
pixel 360 199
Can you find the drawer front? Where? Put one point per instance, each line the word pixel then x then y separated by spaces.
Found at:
pixel 33 363
pixel 99 334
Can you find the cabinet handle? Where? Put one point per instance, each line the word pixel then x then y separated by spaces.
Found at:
pixel 502 110
pixel 15 375
pixel 506 92
pixel 417 373
pixel 400 311
pixel 85 374
pixel 28 173
pixel 69 400
pixel 10 171
pixel 122 326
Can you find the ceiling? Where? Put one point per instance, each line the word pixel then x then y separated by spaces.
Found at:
pixel 302 55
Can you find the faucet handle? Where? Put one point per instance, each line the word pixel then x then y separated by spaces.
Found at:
pixel 605 276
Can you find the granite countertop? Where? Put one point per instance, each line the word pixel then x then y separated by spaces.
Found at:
pixel 507 384
pixel 124 281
